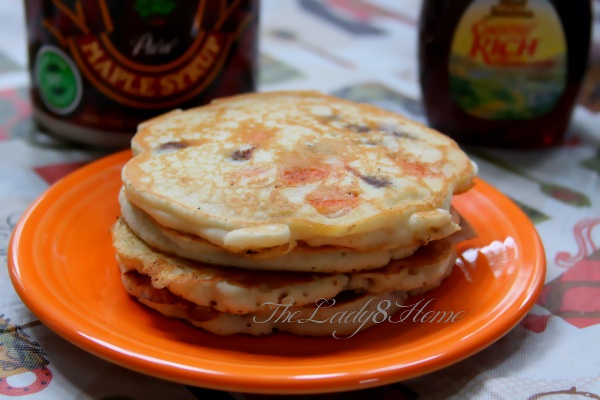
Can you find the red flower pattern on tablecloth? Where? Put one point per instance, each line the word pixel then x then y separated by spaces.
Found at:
pixel 52 173
pixel 14 108
pixel 20 355
pixel 575 295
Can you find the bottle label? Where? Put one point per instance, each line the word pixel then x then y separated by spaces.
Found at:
pixel 111 64
pixel 58 80
pixel 159 63
pixel 508 59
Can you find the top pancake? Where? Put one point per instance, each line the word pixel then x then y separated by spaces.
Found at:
pixel 258 171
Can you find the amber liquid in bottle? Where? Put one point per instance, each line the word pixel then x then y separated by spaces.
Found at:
pixel 474 86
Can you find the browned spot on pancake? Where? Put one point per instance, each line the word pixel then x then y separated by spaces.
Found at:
pixel 414 168
pixel 251 133
pixel 251 175
pixel 327 119
pixel 302 175
pixel 333 200
pixel 242 154
pixel 358 128
pixel 397 132
pixel 172 146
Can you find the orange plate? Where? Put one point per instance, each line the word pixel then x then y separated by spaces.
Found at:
pixel 63 267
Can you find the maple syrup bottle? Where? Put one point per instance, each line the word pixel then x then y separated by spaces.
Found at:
pixel 503 73
pixel 99 68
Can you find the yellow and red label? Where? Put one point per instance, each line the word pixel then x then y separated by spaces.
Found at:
pixel 508 59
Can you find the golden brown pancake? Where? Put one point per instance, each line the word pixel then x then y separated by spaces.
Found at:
pixel 344 316
pixel 242 291
pixel 256 212
pixel 267 170
pixel 302 257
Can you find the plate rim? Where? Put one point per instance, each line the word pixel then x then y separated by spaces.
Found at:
pixel 265 384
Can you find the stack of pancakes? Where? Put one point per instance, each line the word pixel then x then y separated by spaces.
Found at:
pixel 287 211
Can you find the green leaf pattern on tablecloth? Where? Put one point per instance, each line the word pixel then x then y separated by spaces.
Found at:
pixel 534 215
pixel 5 231
pixel 7 111
pixel 557 192
pixel 293 38
pixel 592 163
pixel 273 71
pixel 383 96
pixel 8 65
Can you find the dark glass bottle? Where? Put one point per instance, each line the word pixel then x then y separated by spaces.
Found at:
pixel 100 67
pixel 503 73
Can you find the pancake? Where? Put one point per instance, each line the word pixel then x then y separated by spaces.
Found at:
pixel 242 291
pixel 226 289
pixel 344 316
pixel 301 258
pixel 262 172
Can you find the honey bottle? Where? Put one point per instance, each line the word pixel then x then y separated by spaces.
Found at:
pixel 503 73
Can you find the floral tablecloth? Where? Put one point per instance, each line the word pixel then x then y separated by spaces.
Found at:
pixel 363 50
